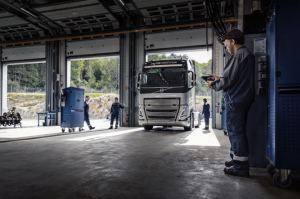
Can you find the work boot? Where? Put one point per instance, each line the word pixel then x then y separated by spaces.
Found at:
pixel 234 171
pixel 229 163
pixel 91 127
pixel 110 127
pixel 116 127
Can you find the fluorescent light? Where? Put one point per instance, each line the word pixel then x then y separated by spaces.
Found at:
pixel 122 2
pixel 28 12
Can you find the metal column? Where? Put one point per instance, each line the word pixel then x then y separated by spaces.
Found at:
pixel 132 57
pixel 140 58
pixel 4 87
pixel 1 81
pixel 218 64
pixel 56 78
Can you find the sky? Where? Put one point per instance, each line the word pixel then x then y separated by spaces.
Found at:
pixel 201 56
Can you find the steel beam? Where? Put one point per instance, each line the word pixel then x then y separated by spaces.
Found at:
pixel 217 68
pixel 106 5
pixel 32 16
pixel 132 57
pixel 4 107
pixel 133 17
pixel 124 65
pixel 1 81
pixel 117 32
pixel 131 80
pixel 56 75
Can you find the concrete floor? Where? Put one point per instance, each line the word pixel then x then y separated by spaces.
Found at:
pixel 128 163
pixel 31 130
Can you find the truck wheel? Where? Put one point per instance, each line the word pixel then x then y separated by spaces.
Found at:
pixel 193 120
pixel 280 182
pixel 148 127
pixel 199 120
pixel 189 128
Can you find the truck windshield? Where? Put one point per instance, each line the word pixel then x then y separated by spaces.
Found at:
pixel 164 80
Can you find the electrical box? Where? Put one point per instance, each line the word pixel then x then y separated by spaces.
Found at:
pixel 283 137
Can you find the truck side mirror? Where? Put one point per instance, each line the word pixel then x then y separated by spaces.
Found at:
pixel 190 79
pixel 194 62
pixel 194 79
pixel 138 82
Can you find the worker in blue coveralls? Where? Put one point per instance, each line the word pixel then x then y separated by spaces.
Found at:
pixel 206 113
pixel 86 112
pixel 237 84
pixel 115 112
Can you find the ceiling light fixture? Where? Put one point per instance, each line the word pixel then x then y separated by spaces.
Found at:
pixel 28 12
pixel 123 4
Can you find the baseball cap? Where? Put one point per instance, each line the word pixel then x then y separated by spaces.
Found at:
pixel 236 35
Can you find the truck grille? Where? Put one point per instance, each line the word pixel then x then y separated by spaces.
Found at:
pixel 162 108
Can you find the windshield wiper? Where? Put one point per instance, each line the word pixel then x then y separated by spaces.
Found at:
pixel 162 78
pixel 163 89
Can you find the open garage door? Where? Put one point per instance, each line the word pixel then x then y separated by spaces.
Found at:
pixel 23 82
pixel 99 77
pixel 24 86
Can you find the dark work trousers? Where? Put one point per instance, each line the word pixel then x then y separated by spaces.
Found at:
pixel 113 117
pixel 87 119
pixel 206 120
pixel 236 120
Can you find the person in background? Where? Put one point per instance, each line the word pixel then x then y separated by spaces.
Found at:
pixel 86 112
pixel 115 112
pixel 206 113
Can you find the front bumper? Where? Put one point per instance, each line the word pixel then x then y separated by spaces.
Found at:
pixel 164 123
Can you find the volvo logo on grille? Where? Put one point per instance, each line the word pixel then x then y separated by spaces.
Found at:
pixel 161 90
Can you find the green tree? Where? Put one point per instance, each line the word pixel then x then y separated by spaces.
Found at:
pixel 26 77
pixel 98 74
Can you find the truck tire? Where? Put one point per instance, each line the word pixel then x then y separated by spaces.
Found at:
pixel 199 120
pixel 189 128
pixel 148 127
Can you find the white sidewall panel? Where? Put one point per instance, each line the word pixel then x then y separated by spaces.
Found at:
pixel 23 53
pixel 178 39
pixel 93 47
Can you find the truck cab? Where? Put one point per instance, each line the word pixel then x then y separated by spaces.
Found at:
pixel 167 94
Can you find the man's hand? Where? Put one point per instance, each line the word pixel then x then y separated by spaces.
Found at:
pixel 216 77
pixel 210 83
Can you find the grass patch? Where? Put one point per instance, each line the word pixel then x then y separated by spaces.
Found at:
pixel 95 95
pixel 202 97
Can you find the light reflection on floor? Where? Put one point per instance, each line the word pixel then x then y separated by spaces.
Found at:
pixel 111 133
pixel 30 129
pixel 200 137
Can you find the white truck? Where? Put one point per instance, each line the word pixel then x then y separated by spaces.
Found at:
pixel 167 94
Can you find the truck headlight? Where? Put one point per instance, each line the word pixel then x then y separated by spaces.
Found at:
pixel 141 116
